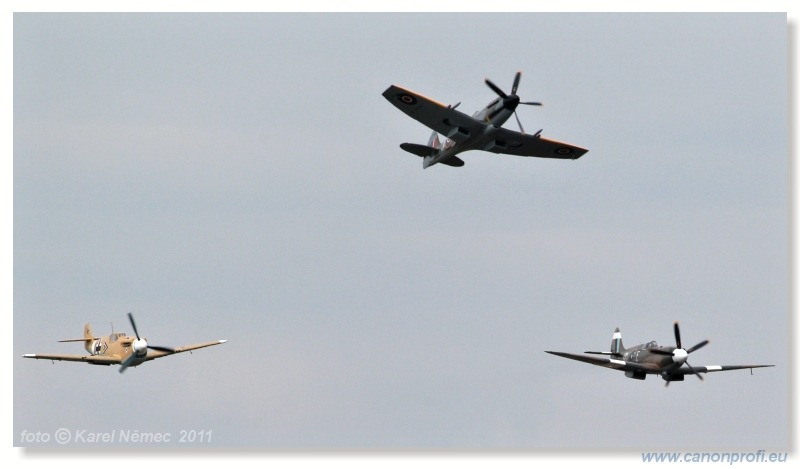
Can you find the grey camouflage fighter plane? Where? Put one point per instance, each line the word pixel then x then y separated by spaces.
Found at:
pixel 671 363
pixel 119 349
pixel 481 131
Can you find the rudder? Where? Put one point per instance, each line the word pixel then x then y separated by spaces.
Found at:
pixel 616 342
pixel 434 141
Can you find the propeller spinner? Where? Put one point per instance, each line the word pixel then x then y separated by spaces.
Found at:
pixel 511 101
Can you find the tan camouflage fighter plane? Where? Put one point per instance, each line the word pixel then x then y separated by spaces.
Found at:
pixel 119 349
pixel 671 363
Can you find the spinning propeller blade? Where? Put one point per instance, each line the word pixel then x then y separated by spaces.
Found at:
pixel 161 349
pixel 496 89
pixel 516 83
pixel 519 123
pixel 133 324
pixel 127 363
pixel 698 346
pixel 694 371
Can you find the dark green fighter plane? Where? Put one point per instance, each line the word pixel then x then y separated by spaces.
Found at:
pixel 671 363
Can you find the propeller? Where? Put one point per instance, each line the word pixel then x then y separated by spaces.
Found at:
pixel 679 354
pixel 140 347
pixel 497 89
pixel 512 101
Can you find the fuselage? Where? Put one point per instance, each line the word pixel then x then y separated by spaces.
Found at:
pixel 494 115
pixel 119 344
pixel 641 354
pixel 664 362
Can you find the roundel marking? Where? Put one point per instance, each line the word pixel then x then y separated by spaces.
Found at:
pixel 407 98
pixel 564 151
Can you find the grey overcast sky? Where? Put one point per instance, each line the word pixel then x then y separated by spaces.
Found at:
pixel 238 176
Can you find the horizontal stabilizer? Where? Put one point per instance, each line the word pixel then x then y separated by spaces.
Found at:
pixel 419 150
pixel 453 161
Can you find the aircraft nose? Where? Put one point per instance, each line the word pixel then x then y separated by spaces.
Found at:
pixel 139 347
pixel 511 102
pixel 679 355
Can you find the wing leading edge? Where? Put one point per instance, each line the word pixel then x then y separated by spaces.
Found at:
pixel 712 368
pixel 510 142
pixel 94 359
pixel 612 363
pixel 436 116
pixel 153 354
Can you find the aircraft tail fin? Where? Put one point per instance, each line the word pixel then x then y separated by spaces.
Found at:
pixel 434 141
pixel 432 148
pixel 616 345
pixel 429 151
pixel 87 335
